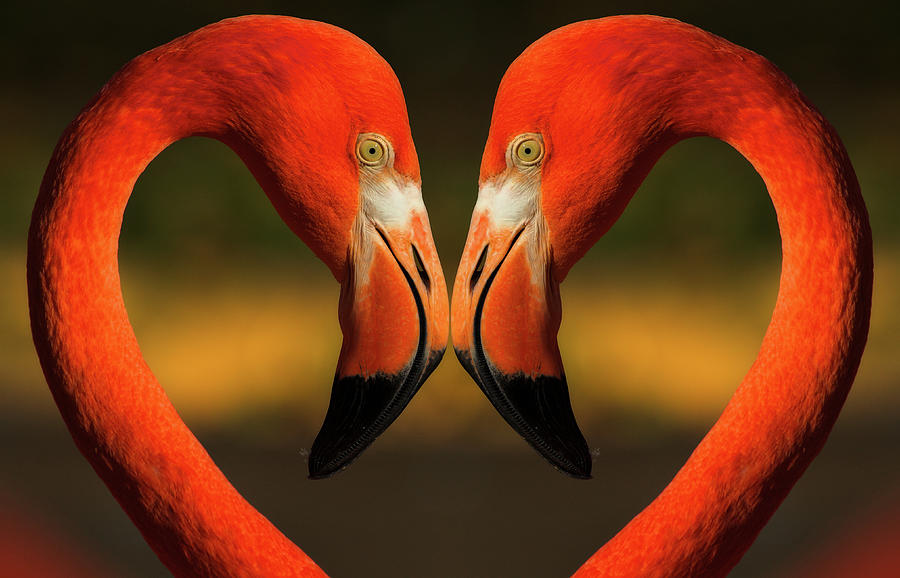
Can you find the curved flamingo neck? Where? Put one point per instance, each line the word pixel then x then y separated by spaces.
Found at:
pixel 119 416
pixel 692 83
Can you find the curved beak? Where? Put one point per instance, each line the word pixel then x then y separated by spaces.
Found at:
pixel 393 315
pixel 505 317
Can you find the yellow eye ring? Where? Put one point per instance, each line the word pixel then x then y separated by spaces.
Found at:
pixel 528 150
pixel 371 151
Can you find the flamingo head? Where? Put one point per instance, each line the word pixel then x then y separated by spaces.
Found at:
pixel 393 308
pixel 551 183
pixel 349 186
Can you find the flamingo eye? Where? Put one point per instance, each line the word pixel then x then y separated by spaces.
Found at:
pixel 528 150
pixel 372 150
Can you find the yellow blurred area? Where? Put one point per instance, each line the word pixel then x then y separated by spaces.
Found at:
pixel 228 345
pixel 679 348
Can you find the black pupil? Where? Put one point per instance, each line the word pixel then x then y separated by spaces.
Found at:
pixel 371 150
pixel 527 150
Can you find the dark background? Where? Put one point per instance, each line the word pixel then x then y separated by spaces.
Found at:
pixel 448 491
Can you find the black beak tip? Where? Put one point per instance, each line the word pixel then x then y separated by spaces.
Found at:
pixel 538 408
pixel 360 410
pixel 578 467
pixel 567 457
pixel 319 472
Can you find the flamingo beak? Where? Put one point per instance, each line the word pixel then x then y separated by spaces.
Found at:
pixel 505 317
pixel 394 316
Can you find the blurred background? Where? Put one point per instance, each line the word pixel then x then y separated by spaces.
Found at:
pixel 239 320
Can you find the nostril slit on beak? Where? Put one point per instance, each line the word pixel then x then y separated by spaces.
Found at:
pixel 479 267
pixel 420 267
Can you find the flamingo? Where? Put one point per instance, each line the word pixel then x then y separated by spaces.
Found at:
pixel 320 120
pixel 579 119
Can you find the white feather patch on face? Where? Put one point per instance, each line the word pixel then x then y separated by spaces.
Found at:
pixel 390 200
pixel 509 199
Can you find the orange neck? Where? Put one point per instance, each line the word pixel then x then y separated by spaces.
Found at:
pixel 119 416
pixel 780 416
